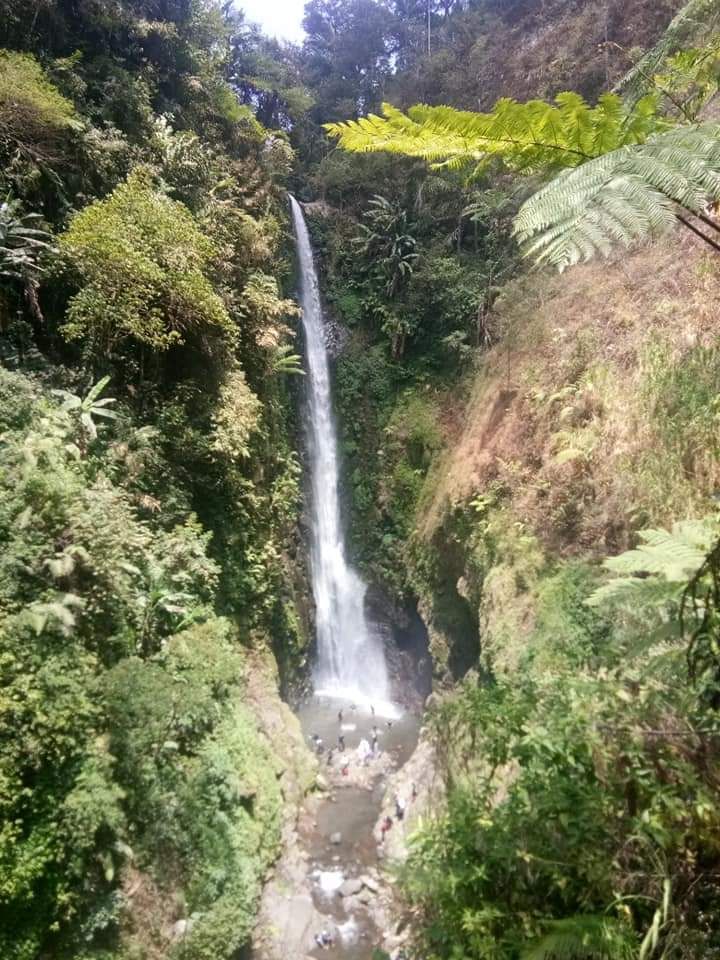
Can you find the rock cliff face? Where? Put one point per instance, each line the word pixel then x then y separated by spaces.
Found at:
pixel 576 432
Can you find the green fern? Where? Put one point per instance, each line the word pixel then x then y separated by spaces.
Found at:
pixel 584 937
pixel 624 196
pixel 693 23
pixel 532 135
pixel 674 555
pixel 287 362
pixel 657 571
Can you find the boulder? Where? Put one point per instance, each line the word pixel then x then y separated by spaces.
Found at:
pixel 351 886
pixel 371 884
pixel 179 929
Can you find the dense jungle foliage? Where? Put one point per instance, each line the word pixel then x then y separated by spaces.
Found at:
pixel 503 432
pixel 150 480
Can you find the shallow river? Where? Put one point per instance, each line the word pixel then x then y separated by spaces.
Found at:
pixel 352 811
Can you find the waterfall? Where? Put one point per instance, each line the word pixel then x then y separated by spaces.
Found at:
pixel 350 658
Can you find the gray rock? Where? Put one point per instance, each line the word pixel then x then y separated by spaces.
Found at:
pixel 336 838
pixel 371 884
pixel 351 887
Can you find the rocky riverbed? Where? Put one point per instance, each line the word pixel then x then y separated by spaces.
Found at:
pixel 333 875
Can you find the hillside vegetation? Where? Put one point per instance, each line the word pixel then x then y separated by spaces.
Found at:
pixel 519 428
pixel 150 485
pixel 530 460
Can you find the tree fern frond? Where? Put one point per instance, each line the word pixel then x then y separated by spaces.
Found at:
pixel 675 555
pixel 636 593
pixel 524 135
pixel 622 196
pixel 697 19
pixel 584 937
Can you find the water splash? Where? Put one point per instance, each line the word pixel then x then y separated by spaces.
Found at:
pixel 351 661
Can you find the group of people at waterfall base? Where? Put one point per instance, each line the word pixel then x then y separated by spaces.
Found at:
pixel 365 752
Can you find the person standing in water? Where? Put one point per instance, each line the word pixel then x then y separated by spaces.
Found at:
pixel 340 717
pixel 341 742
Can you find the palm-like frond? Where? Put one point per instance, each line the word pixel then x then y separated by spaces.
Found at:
pixel 22 241
pixel 584 937
pixel 675 554
pixel 657 571
pixel 627 194
pixel 528 135
pixel 636 593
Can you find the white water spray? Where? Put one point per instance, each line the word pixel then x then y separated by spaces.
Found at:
pixel 351 661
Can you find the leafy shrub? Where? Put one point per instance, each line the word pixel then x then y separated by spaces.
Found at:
pixel 143 266
pixel 33 113
pixel 236 418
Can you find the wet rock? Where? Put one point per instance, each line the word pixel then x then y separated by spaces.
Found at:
pixel 371 884
pixel 321 783
pixel 351 887
pixel 336 838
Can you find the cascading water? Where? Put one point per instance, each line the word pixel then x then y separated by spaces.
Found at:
pixel 351 661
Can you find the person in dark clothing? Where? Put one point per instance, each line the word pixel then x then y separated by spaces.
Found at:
pixel 384 827
pixel 399 808
pixel 340 716
pixel 341 741
pixel 330 758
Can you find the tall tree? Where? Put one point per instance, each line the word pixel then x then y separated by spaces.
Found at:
pixel 348 54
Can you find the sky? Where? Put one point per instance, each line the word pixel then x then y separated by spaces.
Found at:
pixel 278 18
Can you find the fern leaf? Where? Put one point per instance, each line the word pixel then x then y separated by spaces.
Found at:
pixel 532 135
pixel 623 196
pixel 656 572
pixel 696 19
pixel 636 593
pixel 584 937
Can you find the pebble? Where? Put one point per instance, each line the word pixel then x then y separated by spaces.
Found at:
pixel 336 838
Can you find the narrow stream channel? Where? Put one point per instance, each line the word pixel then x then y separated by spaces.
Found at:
pixel 342 841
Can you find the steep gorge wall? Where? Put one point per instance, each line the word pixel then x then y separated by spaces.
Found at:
pixel 594 415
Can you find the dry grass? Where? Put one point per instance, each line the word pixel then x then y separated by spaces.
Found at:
pixel 149 915
pixel 558 418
